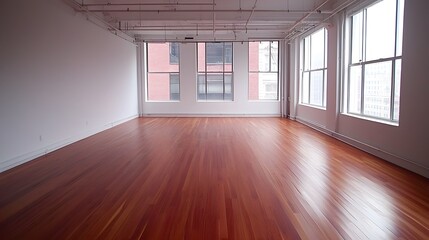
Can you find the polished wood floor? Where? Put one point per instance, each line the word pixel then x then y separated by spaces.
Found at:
pixel 212 178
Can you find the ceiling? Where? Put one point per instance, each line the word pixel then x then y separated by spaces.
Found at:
pixel 209 20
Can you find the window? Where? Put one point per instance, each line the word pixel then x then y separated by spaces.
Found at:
pixel 215 80
pixel 374 54
pixel 174 53
pixel 263 70
pixel 313 69
pixel 163 83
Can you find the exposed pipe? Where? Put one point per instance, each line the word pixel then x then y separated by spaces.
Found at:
pixel 293 30
pixel 335 11
pixel 84 9
pixel 251 13
pixel 203 11
pixel 144 4
pixel 214 20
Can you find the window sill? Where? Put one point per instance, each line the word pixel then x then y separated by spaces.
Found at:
pixel 313 106
pixel 377 120
pixel 159 101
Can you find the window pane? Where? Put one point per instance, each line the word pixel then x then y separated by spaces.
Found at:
pixel 228 52
pixel 228 87
pixel 274 56
pixel 400 30
pixel 158 85
pixel 396 102
pixel 357 37
pixel 201 57
pixel 214 87
pixel 377 89
pixel 264 56
pixel 254 86
pixel 305 87
pixel 201 88
pixel 317 49
pixel 355 87
pixel 316 88
pixel 307 53
pixel 174 53
pixel 160 53
pixel 380 39
pixel 267 86
pixel 174 87
pixel 253 56
pixel 214 53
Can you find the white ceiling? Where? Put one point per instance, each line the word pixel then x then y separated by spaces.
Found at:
pixel 175 20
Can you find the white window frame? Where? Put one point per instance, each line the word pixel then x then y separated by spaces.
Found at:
pixel 323 69
pixel 347 64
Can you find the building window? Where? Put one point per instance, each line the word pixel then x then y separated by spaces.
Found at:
pixel 163 82
pixel 314 69
pixel 215 81
pixel 374 55
pixel 174 53
pixel 263 70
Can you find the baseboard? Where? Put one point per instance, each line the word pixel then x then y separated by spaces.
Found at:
pixel 21 159
pixel 392 158
pixel 208 115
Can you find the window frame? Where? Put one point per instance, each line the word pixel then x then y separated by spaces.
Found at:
pixel 348 63
pixel 213 73
pixel 157 72
pixel 269 71
pixel 310 70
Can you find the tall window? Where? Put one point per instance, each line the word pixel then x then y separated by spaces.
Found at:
pixel 163 83
pixel 215 71
pixel 313 69
pixel 374 61
pixel 263 70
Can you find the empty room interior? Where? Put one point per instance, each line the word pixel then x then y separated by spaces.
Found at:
pixel 214 119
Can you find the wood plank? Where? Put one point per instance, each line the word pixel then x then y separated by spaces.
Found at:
pixel 212 178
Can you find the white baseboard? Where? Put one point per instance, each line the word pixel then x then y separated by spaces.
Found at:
pixel 26 157
pixel 390 157
pixel 208 115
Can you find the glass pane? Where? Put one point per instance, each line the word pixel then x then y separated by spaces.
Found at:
pixel 158 86
pixel 398 67
pixel 174 87
pixel 307 53
pixel 214 53
pixel 268 89
pixel 325 76
pixel 228 52
pixel 174 53
pixel 400 29
pixel 317 49
pixel 264 56
pixel 274 56
pixel 228 87
pixel 201 57
pixel 357 38
pixel 380 30
pixel 159 58
pixel 253 56
pixel 201 88
pixel 316 88
pixel 253 86
pixel 377 89
pixel 355 87
pixel 305 87
pixel 214 87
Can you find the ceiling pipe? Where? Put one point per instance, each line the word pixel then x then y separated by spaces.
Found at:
pixel 144 4
pixel 203 11
pixel 78 7
pixel 205 29
pixel 335 11
pixel 293 30
pixel 251 13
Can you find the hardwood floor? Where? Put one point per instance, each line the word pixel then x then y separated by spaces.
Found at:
pixel 212 178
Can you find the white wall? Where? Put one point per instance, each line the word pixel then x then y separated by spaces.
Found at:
pixel 62 78
pixel 190 106
pixel 405 145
